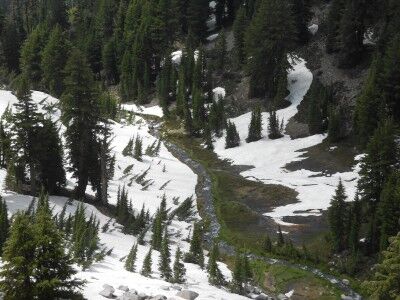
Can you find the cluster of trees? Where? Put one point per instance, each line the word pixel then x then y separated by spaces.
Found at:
pixel 39 250
pixel 375 212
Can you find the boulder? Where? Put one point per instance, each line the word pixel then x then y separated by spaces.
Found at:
pixel 129 296
pixel 188 295
pixel 176 287
pixel 142 296
pixel 108 291
pixel 261 297
pixel 159 297
pixel 123 288
pixel 282 297
pixel 346 281
pixel 164 287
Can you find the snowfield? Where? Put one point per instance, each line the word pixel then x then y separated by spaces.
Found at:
pixel 167 176
pixel 269 157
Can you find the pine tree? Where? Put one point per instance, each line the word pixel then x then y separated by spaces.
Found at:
pixel 355 224
pixel 274 127
pixel 376 166
pixel 165 258
pixel 239 28
pixel 267 244
pixel 255 126
pixel 221 52
pixel 333 25
pixel 4 223
pixel 26 123
pixel 389 210
pixel 110 64
pixel 335 133
pixel 386 281
pixel 336 218
pixel 281 240
pixel 138 149
pixel 238 280
pixel 157 228
pixel 269 38
pixel 207 138
pixel 53 270
pixel 199 113
pixel 181 96
pixel 54 58
pixel 19 260
pixel 146 268
pixel 215 276
pixel 232 136
pixel 179 270
pixel 80 115
pixel 195 254
pixel 302 15
pixel 131 259
pixel 197 16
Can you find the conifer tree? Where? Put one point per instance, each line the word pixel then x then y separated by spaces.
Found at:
pixel 355 224
pixel 199 113
pixel 269 38
pixel 281 239
pixel 138 149
pixel 53 270
pixel 195 254
pixel 232 136
pixel 131 259
pixel 157 228
pixel 333 25
pixel 335 133
pixel 19 260
pixel 4 223
pixel 207 138
pixel 80 114
pixel 302 15
pixel 238 280
pixel 181 96
pixel 54 58
pixel 197 15
pixel 267 244
pixel 337 218
pixel 255 126
pixel 221 52
pixel 146 268
pixel 239 29
pixel 110 64
pixel 215 276
pixel 179 270
pixel 385 283
pixel 165 258
pixel 274 127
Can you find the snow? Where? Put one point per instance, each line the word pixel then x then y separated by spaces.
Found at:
pixel 219 92
pixel 212 37
pixel 150 111
pixel 313 29
pixel 289 294
pixel 163 168
pixel 269 157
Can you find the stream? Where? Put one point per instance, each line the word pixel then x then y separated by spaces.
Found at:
pixel 204 192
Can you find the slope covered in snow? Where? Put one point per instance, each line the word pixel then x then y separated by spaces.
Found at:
pixel 269 157
pixel 165 175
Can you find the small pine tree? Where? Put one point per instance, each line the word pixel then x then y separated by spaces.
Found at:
pixel 131 259
pixel 165 258
pixel 255 126
pixel 4 223
pixel 157 229
pixel 179 269
pixel 138 150
pixel 281 240
pixel 195 254
pixel 146 268
pixel 267 245
pixel 336 217
pixel 215 276
pixel 274 127
pixel 232 136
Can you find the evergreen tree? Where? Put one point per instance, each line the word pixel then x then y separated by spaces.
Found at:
pixel 165 258
pixel 333 25
pixel 355 224
pixel 131 259
pixel 281 239
pixel 336 218
pixel 215 276
pixel 4 223
pixel 268 39
pixel 138 149
pixel 255 126
pixel 239 29
pixel 221 52
pixel 110 64
pixel 181 96
pixel 157 231
pixel 274 127
pixel 146 268
pixel 179 270
pixel 232 136
pixel 335 133
pixel 54 57
pixel 81 115
pixel 267 244
pixel 19 260
pixel 53 266
pixel 302 15
pixel 195 254
pixel 197 16
pixel 386 281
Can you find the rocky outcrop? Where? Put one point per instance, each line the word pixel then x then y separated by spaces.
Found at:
pixel 188 295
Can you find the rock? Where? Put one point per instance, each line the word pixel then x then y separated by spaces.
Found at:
pixel 159 297
pixel 282 297
pixel 346 281
pixel 257 290
pixel 142 296
pixel 176 287
pixel 344 297
pixel 261 297
pixel 123 288
pixel 188 295
pixel 129 296
pixel 164 287
pixel 108 291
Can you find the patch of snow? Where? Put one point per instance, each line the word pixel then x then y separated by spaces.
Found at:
pixel 313 29
pixel 211 23
pixel 269 157
pixel 151 111
pixel 212 37
pixel 219 92
pixel 289 294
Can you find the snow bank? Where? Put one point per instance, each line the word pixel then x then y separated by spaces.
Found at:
pixel 218 93
pixel 150 111
pixel 269 157
pixel 313 29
